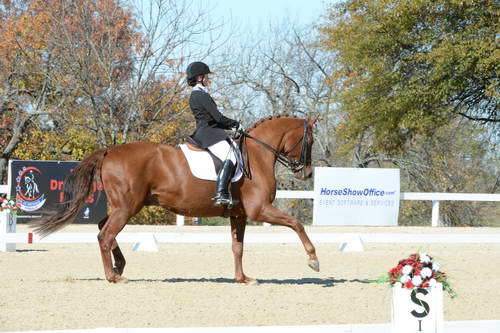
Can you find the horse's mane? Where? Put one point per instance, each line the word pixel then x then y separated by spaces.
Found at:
pixel 263 120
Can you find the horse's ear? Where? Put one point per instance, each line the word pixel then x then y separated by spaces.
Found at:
pixel 312 120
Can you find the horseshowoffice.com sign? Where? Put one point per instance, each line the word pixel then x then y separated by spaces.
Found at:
pixel 38 186
pixel 356 196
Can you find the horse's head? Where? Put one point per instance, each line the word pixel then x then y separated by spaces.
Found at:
pixel 297 147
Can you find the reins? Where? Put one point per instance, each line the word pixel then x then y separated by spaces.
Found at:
pixel 294 165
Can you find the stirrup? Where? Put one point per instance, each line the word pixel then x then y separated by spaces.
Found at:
pixel 220 200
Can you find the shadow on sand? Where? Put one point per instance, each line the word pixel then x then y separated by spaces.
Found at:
pixel 326 282
pixel 32 250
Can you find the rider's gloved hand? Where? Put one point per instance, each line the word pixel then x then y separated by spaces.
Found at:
pixel 238 128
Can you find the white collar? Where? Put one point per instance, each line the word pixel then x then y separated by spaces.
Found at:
pixel 200 87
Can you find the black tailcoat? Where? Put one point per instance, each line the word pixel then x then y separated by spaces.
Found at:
pixel 210 123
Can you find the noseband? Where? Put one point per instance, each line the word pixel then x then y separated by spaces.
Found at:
pixel 282 157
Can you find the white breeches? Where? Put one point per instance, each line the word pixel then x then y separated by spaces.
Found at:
pixel 223 150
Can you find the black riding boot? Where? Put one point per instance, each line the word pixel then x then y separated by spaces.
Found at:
pixel 222 196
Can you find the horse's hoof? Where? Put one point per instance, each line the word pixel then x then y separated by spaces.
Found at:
pixel 248 281
pixel 314 264
pixel 252 282
pixel 118 279
pixel 121 279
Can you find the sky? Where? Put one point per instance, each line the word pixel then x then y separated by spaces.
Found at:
pixel 254 13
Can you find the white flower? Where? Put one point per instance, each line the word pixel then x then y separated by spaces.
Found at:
pixel 407 269
pixel 404 278
pixel 4 204
pixel 417 280
pixel 398 285
pixel 432 283
pixel 11 203
pixel 426 272
pixel 424 258
pixel 435 266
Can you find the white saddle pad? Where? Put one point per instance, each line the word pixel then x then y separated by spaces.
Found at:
pixel 202 164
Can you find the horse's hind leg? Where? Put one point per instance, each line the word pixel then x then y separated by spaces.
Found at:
pixel 238 225
pixel 107 238
pixel 273 215
pixel 117 253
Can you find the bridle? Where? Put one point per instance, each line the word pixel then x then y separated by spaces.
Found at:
pixel 295 166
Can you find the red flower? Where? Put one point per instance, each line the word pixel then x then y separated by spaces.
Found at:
pixel 409 285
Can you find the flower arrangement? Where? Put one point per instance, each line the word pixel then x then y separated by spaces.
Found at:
pixel 419 270
pixel 8 206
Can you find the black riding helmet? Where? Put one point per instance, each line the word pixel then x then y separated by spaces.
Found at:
pixel 197 68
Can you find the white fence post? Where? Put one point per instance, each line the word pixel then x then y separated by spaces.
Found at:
pixel 435 213
pixel 7 225
pixel 4 189
pixel 179 221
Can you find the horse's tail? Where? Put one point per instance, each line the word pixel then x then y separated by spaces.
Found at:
pixel 76 190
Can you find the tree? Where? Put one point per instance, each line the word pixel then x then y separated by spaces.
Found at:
pixel 457 158
pixel 28 90
pixel 126 61
pixel 408 67
pixel 288 70
pixel 281 69
pixel 104 72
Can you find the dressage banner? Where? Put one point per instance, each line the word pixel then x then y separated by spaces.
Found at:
pixel 38 186
pixel 356 196
pixel 417 310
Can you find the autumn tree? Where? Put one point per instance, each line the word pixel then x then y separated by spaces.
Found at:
pixel 126 62
pixel 28 90
pixel 86 74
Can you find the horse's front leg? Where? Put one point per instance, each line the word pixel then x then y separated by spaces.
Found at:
pixel 238 225
pixel 273 215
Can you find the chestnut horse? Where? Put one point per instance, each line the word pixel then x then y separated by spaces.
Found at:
pixel 143 173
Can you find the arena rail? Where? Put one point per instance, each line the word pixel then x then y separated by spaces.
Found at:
pixel 435 197
pixel 149 241
pixel 466 326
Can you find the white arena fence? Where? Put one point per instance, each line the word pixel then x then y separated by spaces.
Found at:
pixel 435 197
pixel 148 241
pixel 482 326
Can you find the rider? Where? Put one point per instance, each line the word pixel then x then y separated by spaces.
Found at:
pixel 210 126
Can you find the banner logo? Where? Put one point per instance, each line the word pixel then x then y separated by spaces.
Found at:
pixel 28 195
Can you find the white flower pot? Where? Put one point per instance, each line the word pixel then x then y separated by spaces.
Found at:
pixel 7 225
pixel 418 310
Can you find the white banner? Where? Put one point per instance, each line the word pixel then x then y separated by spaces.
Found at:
pixel 356 196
